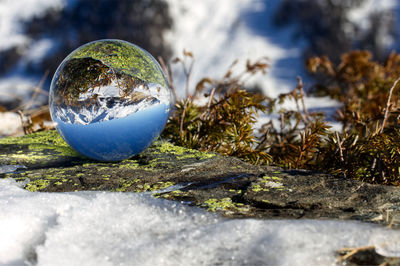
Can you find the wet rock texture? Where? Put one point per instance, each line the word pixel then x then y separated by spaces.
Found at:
pixel 227 185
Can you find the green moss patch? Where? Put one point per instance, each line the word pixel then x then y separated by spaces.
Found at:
pixel 224 204
pixel 52 165
pixel 34 146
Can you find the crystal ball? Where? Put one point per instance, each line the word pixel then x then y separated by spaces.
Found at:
pixel 109 100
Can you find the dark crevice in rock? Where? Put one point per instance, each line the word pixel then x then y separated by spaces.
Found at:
pixel 350 209
pixel 231 180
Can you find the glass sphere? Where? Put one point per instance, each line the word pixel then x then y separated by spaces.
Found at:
pixel 109 100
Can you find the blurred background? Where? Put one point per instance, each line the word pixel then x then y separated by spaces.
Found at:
pixel 36 35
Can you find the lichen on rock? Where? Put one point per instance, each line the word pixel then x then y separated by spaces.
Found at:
pixel 216 183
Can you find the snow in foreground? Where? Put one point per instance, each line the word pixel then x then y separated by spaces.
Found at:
pixel 103 228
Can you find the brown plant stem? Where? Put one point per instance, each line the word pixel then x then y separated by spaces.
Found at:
pixel 181 131
pixel 340 143
pixel 167 71
pixel 388 105
pixel 353 251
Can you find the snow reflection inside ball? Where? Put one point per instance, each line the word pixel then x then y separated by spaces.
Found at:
pixel 109 100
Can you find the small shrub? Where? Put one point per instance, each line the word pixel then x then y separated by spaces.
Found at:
pixel 368 146
pixel 375 158
pixel 295 141
pixel 225 124
pixel 362 85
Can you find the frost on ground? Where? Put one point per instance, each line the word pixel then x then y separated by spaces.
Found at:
pixel 104 228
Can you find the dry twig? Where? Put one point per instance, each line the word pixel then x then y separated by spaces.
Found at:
pixel 353 251
pixel 167 71
pixel 388 104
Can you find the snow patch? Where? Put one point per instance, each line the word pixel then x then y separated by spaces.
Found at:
pixel 104 228
pixel 360 15
pixel 10 123
pixel 14 13
pixel 17 88
pixel 219 32
pixel 38 50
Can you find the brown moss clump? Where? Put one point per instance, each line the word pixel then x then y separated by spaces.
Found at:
pixel 361 84
pixel 368 148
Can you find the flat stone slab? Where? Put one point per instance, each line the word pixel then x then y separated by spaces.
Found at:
pixel 44 162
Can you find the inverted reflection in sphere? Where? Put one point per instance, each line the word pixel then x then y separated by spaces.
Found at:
pixel 109 99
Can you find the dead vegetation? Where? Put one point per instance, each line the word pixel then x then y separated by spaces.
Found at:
pixel 367 148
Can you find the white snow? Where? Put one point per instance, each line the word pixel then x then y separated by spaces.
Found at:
pixel 10 123
pixel 13 13
pixel 386 9
pixel 99 228
pixel 38 50
pixel 219 32
pixel 16 87
pixel 361 14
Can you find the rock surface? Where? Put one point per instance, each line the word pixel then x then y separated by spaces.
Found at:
pixel 44 162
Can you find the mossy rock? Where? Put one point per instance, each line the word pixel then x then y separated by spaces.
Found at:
pixel 47 163
pixel 216 183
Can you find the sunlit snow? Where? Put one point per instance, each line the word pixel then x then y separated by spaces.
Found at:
pixel 14 13
pixel 99 228
pixel 219 32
